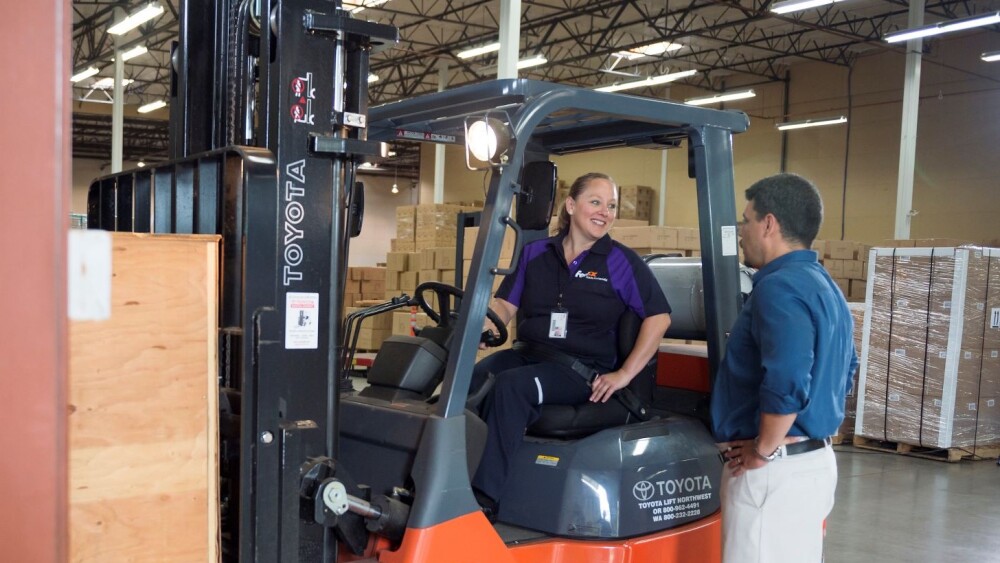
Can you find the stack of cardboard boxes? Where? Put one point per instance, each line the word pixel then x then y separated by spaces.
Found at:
pixel 846 430
pixel 364 284
pixel 845 262
pixel 635 202
pixel 680 241
pixel 367 284
pixel 931 348
pixel 428 226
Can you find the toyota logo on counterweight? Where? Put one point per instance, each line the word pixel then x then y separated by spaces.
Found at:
pixel 643 490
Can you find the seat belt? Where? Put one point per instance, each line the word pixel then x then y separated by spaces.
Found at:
pixel 543 353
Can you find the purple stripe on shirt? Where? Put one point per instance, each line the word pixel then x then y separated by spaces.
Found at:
pixel 623 281
pixel 528 253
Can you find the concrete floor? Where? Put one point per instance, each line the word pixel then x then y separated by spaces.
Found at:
pixel 891 507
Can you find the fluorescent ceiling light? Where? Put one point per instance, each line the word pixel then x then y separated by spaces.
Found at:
pixel 651 81
pixel 108 82
pixel 537 60
pixel 83 74
pixel 152 106
pixel 719 98
pixel 789 125
pixel 372 77
pixel 134 52
pixel 943 27
pixel 649 50
pixel 149 12
pixel 991 56
pixel 796 5
pixel 478 51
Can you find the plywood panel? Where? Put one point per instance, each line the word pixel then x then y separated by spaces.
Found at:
pixel 143 408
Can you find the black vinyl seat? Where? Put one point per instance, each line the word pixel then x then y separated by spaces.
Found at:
pixel 577 421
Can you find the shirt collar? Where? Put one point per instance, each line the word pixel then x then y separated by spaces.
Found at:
pixel 602 246
pixel 803 255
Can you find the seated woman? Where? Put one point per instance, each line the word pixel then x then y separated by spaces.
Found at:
pixel 568 292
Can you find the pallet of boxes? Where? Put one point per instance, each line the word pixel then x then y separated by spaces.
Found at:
pixel 366 286
pixel 845 261
pixel 930 363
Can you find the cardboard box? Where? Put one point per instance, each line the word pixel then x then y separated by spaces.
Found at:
pixel 840 249
pixel 844 285
pixel 406 222
pixel 855 269
pixel 835 267
pixel 401 321
pixel 469 244
pixel 922 359
pixel 646 237
pixel 428 275
pixel 688 238
pixel 370 287
pixel 444 258
pixel 408 281
pixel 857 291
pixel 372 273
pixel 635 202
pixel 427 259
pixel 397 261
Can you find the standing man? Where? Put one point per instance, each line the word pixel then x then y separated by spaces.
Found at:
pixel 779 394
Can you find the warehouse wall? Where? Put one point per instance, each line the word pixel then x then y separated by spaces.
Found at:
pixel 959 132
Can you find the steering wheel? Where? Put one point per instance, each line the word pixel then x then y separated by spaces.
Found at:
pixel 442 316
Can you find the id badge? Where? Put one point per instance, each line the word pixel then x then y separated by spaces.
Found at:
pixel 558 320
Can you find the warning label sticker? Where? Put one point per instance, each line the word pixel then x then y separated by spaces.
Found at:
pixel 301 321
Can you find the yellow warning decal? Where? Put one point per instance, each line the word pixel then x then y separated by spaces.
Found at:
pixel 549 460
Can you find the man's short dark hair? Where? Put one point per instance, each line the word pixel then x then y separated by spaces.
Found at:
pixel 795 203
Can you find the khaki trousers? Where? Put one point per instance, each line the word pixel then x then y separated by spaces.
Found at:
pixel 775 514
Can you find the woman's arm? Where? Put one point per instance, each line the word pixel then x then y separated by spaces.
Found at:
pixel 646 344
pixel 505 310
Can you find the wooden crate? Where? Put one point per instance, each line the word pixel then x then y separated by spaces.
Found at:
pixel 143 408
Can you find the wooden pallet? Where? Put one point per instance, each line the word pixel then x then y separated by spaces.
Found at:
pixel 950 455
pixel 838 439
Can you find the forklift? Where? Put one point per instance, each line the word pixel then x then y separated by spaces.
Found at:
pixel 269 125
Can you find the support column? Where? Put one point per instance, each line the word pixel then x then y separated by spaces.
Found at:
pixel 908 133
pixel 35 190
pixel 118 103
pixel 443 78
pixel 510 38
pixel 661 215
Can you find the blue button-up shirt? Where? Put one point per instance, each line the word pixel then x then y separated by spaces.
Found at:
pixel 791 351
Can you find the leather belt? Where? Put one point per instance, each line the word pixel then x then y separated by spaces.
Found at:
pixel 804 446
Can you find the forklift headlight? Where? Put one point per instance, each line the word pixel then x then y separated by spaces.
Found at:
pixel 487 142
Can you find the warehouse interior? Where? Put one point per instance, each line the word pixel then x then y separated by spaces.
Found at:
pixel 823 62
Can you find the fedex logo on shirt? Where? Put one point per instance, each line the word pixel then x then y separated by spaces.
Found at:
pixel 590 276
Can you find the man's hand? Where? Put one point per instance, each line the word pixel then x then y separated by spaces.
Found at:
pixel 740 456
pixel 605 385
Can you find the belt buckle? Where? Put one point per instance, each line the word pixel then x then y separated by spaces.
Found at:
pixel 782 451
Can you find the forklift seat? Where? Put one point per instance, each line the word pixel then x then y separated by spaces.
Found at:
pixel 577 421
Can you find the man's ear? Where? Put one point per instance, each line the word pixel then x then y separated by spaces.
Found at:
pixel 771 226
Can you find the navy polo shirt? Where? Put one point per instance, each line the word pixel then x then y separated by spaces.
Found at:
pixel 595 289
pixel 791 351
